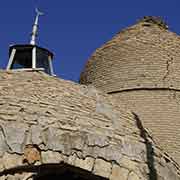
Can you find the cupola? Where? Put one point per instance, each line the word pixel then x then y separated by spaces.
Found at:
pixel 30 56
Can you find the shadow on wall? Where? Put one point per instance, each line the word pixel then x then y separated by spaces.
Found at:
pixel 149 149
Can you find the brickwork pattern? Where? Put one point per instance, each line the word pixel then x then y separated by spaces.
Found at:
pixel 160 111
pixel 140 67
pixel 138 57
pixel 46 120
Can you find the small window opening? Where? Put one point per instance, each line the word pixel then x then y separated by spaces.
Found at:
pixel 22 59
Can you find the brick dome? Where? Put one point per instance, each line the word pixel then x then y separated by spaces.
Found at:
pixel 140 68
pixel 145 55
pixel 52 128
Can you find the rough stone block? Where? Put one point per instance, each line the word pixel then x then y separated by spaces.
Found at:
pixel 1 164
pixel 11 160
pixel 102 168
pixel 133 176
pixel 119 173
pixel 129 164
pixel 86 164
pixel 15 136
pixel 3 178
pixel 72 159
pixel 51 157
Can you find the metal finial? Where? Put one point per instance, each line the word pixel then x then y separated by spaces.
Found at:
pixel 35 27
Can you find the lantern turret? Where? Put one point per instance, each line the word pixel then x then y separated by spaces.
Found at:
pixel 30 56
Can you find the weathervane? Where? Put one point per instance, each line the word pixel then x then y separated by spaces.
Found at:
pixel 35 27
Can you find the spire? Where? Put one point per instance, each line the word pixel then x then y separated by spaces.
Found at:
pixel 35 27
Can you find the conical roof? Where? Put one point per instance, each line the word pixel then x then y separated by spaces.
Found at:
pixel 145 55
pixel 48 125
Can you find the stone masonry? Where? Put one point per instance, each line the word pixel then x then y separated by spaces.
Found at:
pixel 140 68
pixel 46 121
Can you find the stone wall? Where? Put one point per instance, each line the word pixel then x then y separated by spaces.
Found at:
pixel 159 110
pixel 140 67
pixel 45 120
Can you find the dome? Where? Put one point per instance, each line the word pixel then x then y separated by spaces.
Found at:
pixel 140 68
pixel 56 128
pixel 145 55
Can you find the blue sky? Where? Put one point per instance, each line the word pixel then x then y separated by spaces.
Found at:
pixel 73 29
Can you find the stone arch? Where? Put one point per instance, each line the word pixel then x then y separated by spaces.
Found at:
pixel 64 171
pixel 53 171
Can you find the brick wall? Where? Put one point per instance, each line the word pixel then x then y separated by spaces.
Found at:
pixel 46 121
pixel 159 111
pixel 138 57
pixel 140 67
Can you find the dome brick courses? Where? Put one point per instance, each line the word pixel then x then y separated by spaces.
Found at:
pixel 145 55
pixel 140 68
pixel 49 125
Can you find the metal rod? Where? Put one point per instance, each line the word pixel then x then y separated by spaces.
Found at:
pixel 50 66
pixel 13 52
pixel 34 58
pixel 35 27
